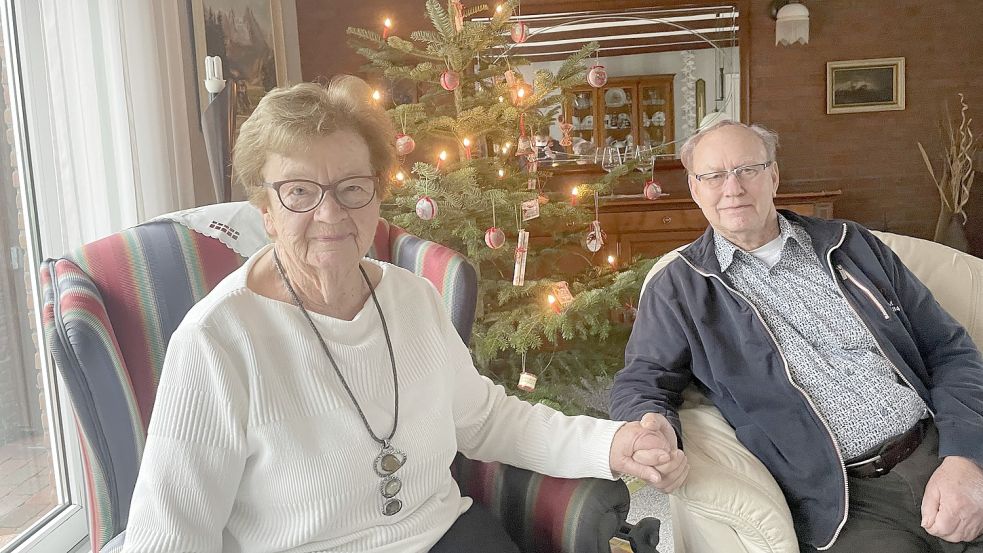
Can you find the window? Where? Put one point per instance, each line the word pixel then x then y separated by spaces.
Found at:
pixel 40 496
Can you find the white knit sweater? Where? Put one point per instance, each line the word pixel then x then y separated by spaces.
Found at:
pixel 254 446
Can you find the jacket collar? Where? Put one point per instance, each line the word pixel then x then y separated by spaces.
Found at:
pixel 825 235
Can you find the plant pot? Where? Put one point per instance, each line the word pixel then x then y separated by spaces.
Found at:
pixel 950 231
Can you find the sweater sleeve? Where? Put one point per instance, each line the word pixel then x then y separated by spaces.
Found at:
pixel 493 426
pixel 195 451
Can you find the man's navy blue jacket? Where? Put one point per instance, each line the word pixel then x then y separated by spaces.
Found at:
pixel 693 324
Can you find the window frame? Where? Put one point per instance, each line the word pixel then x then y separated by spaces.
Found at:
pixel 64 529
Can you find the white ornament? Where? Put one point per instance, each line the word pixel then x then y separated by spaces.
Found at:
pixel 426 208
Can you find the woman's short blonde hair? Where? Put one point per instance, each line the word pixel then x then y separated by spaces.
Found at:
pixel 289 119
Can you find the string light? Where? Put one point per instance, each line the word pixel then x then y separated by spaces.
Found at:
pixel 498 8
pixel 612 260
pixel 387 25
pixel 376 95
pixel 501 173
pixel 501 99
pixel 442 157
pixel 400 176
pixel 467 147
pixel 551 300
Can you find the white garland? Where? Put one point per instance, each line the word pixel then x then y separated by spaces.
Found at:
pixel 688 108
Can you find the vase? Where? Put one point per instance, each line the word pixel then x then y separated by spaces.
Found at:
pixel 950 230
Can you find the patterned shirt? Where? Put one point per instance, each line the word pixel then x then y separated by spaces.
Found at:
pixel 831 353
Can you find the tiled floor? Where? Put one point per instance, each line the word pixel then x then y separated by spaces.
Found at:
pixel 26 485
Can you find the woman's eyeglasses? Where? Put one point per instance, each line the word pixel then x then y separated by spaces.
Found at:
pixel 302 195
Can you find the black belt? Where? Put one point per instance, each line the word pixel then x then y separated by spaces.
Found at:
pixel 881 460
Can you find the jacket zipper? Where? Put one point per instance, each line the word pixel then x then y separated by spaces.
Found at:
pixel 788 374
pixel 849 278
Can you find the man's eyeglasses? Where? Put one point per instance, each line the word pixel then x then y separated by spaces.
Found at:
pixel 301 195
pixel 743 173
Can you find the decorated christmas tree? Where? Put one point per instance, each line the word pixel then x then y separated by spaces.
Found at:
pixel 480 186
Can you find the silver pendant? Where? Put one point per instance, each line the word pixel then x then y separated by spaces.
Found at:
pixel 386 464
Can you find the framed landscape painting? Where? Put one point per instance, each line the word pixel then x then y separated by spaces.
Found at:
pixel 865 85
pixel 248 36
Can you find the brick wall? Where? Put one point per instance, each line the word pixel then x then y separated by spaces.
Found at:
pixel 872 157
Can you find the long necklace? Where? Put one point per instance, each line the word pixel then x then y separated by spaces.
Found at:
pixel 389 459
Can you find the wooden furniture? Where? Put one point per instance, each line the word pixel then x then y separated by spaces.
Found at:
pixel 636 226
pixel 628 110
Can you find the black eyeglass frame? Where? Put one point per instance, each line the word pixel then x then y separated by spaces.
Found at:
pixel 764 165
pixel 325 188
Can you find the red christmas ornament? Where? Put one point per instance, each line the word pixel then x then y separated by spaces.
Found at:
pixel 520 32
pixel 426 208
pixel 653 191
pixel 404 144
pixel 597 76
pixel 494 238
pixel 450 80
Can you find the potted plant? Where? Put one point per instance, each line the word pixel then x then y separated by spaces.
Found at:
pixel 955 177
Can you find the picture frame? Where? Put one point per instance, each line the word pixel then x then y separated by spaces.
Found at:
pixel 865 85
pixel 254 55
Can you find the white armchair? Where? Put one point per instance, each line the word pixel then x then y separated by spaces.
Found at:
pixel 730 503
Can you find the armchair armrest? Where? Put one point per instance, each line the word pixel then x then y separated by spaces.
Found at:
pixel 546 514
pixel 729 502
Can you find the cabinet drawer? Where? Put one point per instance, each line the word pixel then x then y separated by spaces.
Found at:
pixel 677 219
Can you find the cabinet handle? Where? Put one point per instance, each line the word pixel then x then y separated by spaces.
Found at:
pixel 667 219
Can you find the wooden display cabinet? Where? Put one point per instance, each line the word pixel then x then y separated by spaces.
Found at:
pixel 636 111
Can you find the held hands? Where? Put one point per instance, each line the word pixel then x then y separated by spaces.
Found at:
pixel 952 508
pixel 647 449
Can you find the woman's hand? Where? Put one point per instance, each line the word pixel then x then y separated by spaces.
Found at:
pixel 647 449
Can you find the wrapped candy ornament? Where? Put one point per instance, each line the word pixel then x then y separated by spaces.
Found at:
pixel 450 80
pixel 494 238
pixel 520 32
pixel 597 76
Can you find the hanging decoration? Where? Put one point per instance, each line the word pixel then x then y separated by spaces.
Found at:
pixel 404 144
pixel 561 291
pixel 653 190
pixel 521 254
pixel 458 9
pixel 520 32
pixel 450 80
pixel 594 239
pixel 494 236
pixel 597 76
pixel 426 208
pixel 530 209
pixel 566 141
pixel 527 380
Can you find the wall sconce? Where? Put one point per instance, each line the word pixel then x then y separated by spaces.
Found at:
pixel 791 22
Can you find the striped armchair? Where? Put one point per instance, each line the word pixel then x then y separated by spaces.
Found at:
pixel 111 306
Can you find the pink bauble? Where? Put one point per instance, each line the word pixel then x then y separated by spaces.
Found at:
pixel 520 32
pixel 426 208
pixel 597 76
pixel 653 191
pixel 404 144
pixel 450 80
pixel 494 238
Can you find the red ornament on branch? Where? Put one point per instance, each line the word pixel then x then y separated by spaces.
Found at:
pixel 597 76
pixel 404 144
pixel 450 80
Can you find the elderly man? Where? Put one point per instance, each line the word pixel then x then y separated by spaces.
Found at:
pixel 833 363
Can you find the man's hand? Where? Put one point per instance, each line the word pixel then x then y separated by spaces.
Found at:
pixel 952 508
pixel 647 449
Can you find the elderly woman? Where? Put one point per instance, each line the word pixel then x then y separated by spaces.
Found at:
pixel 315 399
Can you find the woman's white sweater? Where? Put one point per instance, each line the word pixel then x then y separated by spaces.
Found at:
pixel 254 445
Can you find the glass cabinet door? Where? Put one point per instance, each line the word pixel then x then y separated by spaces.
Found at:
pixel 581 115
pixel 655 105
pixel 618 117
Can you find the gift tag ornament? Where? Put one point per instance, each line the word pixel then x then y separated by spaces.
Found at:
pixel 426 208
pixel 494 238
pixel 404 144
pixel 450 80
pixel 597 76
pixel 520 32
pixel 652 191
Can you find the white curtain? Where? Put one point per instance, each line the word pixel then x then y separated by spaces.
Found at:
pixel 107 86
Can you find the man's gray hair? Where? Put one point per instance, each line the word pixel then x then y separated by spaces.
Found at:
pixel 768 138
